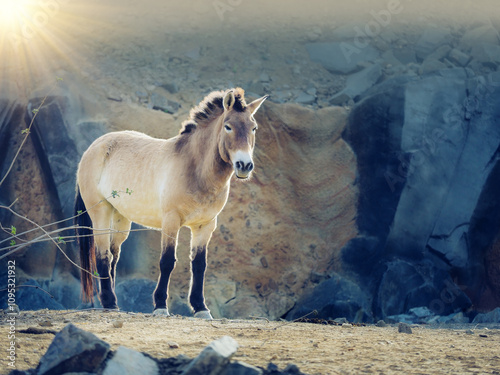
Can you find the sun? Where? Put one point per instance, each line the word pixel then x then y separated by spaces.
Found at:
pixel 12 12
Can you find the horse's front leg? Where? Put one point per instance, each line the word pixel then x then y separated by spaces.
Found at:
pixel 199 242
pixel 169 234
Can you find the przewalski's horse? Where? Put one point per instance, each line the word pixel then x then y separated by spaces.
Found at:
pixel 165 184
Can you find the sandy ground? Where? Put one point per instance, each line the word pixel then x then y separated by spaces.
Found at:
pixel 130 47
pixel 314 348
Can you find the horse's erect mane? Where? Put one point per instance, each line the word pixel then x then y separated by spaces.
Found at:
pixel 211 107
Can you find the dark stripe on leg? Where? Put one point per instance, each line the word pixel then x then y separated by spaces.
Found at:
pixel 198 267
pixel 107 294
pixel 116 256
pixel 167 264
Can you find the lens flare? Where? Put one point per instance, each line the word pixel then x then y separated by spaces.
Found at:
pixel 12 12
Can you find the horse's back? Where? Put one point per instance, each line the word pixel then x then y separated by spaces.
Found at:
pixel 123 163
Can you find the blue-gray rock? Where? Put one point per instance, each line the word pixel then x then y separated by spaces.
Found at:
pixel 455 318
pixel 478 35
pixel 405 55
pixel 459 57
pixel 431 66
pixel 240 368
pixel 358 83
pixel 126 361
pixel 490 317
pixel 404 328
pixel 172 87
pixel 62 141
pixel 341 57
pixel 427 151
pixel 193 54
pixel 401 318
pixel 487 54
pixel 445 156
pixel 30 295
pixel 431 39
pixel 135 295
pixel 73 350
pixel 304 98
pixel 213 358
pixel 334 298
pixel 440 53
pixel 424 285
pixel 159 102
pixel 280 96
pixel 421 312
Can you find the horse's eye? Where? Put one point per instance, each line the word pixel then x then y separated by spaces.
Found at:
pixel 228 128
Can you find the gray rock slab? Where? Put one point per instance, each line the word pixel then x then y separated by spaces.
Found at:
pixel 213 358
pixel 158 101
pixel 240 368
pixel 404 328
pixel 487 54
pixel 489 317
pixel 305 98
pixel 358 83
pixel 430 66
pixel 431 168
pixel 171 87
pixel 459 57
pixel 135 295
pixel 439 53
pixel 481 142
pixel 389 58
pixel 405 55
pixel 339 99
pixel 73 350
pixel 341 57
pixel 333 298
pixel 126 361
pixel 32 298
pixel 478 35
pixel 431 39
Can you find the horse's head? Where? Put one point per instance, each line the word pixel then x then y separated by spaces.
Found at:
pixel 237 138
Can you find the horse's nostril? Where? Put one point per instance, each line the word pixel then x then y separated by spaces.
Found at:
pixel 244 167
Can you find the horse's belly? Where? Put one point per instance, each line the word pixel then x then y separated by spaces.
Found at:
pixel 141 212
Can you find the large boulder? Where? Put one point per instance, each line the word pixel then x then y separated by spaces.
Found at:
pixel 427 155
pixel 73 350
pixel 334 298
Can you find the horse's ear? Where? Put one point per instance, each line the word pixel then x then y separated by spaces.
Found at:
pixel 229 100
pixel 255 105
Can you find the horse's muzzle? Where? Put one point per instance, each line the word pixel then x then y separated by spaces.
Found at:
pixel 243 169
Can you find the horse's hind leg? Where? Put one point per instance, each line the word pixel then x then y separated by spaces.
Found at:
pixel 121 230
pixel 101 219
pixel 200 237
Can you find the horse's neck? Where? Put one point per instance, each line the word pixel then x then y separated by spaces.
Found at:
pixel 211 170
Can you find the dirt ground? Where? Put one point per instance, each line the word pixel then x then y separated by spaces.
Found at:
pixel 314 348
pixel 125 49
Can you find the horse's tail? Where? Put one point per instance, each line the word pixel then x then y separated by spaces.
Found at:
pixel 85 239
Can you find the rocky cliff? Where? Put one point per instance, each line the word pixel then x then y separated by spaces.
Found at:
pixel 377 169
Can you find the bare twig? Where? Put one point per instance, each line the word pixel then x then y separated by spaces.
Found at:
pixel 27 132
pixel 47 235
pixel 30 286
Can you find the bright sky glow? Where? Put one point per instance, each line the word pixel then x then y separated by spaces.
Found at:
pixel 12 12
